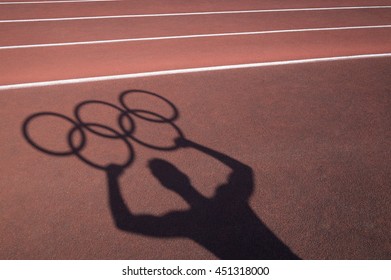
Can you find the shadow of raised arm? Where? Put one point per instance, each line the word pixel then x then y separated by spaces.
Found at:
pixel 224 224
pixel 240 183
pixel 142 224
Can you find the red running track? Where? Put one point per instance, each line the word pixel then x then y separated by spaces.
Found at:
pixel 316 136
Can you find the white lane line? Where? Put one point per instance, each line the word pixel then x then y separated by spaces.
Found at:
pixel 55 2
pixel 191 36
pixel 193 14
pixel 189 70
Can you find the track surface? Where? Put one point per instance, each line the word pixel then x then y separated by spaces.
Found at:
pixel 315 136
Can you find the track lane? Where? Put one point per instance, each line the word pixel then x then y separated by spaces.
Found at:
pixel 108 29
pixel 168 6
pixel 56 63
pixel 45 2
pixel 317 137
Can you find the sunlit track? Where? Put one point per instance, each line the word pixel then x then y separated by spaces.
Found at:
pixel 171 129
pixel 198 14
pixel 191 70
pixel 192 36
pixel 55 2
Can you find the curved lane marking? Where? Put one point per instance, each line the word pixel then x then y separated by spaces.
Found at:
pixel 189 70
pixel 192 36
pixel 192 13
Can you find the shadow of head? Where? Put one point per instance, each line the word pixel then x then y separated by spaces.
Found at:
pixel 168 175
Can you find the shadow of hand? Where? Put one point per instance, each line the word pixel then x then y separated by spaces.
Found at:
pixel 114 170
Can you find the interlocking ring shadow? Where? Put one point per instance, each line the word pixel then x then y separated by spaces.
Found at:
pixel 224 224
pixel 78 128
pixel 125 122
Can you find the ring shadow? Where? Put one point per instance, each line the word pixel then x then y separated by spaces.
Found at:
pixel 225 224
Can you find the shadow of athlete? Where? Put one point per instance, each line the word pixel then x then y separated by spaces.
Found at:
pixel 224 224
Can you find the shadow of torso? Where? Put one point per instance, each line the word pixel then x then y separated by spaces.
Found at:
pixel 230 230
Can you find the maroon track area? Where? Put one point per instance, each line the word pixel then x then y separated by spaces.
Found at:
pixel 314 138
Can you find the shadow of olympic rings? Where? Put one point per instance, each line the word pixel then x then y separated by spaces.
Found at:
pixel 225 224
pixel 77 137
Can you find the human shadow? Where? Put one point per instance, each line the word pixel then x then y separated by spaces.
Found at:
pixel 224 224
